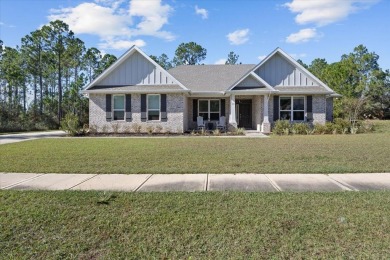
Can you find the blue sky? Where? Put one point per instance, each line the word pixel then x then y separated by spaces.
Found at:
pixel 306 29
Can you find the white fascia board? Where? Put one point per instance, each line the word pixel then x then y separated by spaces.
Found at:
pixel 304 93
pixel 207 93
pixel 121 59
pixel 251 92
pixel 102 91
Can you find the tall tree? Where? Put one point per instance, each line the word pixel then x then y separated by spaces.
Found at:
pixel 163 61
pixel 58 37
pixel 232 58
pixel 91 61
pixel 189 53
pixel 104 63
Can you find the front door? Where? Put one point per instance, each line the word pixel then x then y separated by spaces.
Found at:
pixel 244 113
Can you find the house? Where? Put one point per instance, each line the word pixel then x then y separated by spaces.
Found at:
pixel 135 90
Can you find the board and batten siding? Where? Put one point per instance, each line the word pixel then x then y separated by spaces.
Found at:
pixel 277 71
pixel 250 82
pixel 137 70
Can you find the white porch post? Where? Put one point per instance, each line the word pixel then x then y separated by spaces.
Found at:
pixel 265 126
pixel 232 116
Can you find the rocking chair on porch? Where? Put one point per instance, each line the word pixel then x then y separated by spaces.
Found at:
pixel 199 121
pixel 221 124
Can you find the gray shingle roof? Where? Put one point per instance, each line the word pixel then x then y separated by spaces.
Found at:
pixel 210 77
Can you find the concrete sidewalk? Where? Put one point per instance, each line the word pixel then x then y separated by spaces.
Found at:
pixel 13 138
pixel 196 182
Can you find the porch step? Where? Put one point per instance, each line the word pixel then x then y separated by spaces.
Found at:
pixel 254 133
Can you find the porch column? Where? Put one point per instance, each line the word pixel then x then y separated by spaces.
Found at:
pixel 265 126
pixel 232 116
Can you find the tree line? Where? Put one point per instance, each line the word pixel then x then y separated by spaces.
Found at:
pixel 50 66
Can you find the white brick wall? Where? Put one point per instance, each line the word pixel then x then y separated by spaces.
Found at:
pixel 174 123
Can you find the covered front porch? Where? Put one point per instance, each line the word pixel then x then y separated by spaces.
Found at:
pixel 240 111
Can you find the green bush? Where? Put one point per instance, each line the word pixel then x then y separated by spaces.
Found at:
pixel 300 128
pixel 320 129
pixel 70 124
pixel 341 126
pixel 281 127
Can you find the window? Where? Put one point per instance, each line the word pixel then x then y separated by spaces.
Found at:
pixel 292 108
pixel 209 109
pixel 153 107
pixel 119 107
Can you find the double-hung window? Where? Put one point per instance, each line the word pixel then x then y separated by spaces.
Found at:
pixel 153 107
pixel 209 109
pixel 292 108
pixel 119 107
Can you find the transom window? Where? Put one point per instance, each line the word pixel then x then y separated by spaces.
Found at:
pixel 209 109
pixel 292 108
pixel 153 107
pixel 119 107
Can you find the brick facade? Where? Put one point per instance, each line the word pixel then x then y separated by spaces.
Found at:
pixel 174 123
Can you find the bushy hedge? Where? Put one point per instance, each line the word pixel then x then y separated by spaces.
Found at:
pixel 339 126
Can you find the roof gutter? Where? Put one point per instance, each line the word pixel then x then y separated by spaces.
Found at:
pixel 107 91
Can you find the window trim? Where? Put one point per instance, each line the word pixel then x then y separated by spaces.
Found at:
pixel 153 109
pixel 292 108
pixel 209 107
pixel 113 107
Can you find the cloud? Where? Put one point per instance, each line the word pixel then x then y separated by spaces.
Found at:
pixel 238 37
pixel 324 12
pixel 303 35
pixel 202 12
pixel 220 61
pixel 121 44
pixel 7 25
pixel 298 55
pixel 117 22
pixel 262 57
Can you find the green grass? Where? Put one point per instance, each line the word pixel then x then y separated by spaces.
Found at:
pixel 290 154
pixel 49 225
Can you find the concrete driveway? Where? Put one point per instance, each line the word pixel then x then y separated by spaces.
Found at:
pixel 13 138
pixel 197 182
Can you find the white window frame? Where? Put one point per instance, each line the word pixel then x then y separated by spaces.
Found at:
pixel 159 107
pixel 113 107
pixel 209 107
pixel 292 108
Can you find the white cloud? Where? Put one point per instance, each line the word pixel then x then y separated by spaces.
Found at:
pixel 220 61
pixel 323 12
pixel 121 44
pixel 117 22
pixel 202 12
pixel 262 57
pixel 303 35
pixel 238 37
pixel 298 55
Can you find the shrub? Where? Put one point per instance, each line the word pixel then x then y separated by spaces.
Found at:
pixel 115 128
pixel 300 128
pixel 136 128
pixel 105 129
pixel 216 132
pixel 366 127
pixel 149 129
pixel 93 129
pixel 281 127
pixel 158 129
pixel 341 126
pixel 320 129
pixel 70 124
pixel 240 131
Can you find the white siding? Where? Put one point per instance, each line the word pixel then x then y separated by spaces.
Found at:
pixel 136 70
pixel 250 82
pixel 277 71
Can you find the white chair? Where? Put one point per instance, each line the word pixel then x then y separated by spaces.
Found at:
pixel 221 124
pixel 200 123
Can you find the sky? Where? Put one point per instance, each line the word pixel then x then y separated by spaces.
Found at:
pixel 306 29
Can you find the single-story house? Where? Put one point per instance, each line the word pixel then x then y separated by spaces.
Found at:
pixel 135 90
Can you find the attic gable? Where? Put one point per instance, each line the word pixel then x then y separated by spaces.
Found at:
pixel 250 81
pixel 136 70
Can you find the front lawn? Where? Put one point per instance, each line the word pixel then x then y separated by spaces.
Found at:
pixel 90 225
pixel 278 154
